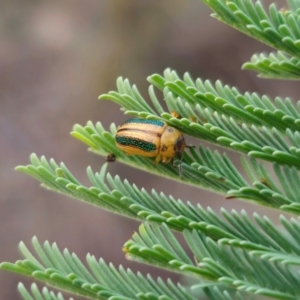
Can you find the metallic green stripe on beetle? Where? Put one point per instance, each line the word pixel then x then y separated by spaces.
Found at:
pixel 150 138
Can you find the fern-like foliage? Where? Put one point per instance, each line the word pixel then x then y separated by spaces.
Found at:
pixel 278 28
pixel 274 65
pixel 101 281
pixel 234 256
pixel 220 115
pixel 258 272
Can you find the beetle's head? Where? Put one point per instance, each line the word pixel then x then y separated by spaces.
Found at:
pixel 179 148
pixel 179 145
pixel 172 142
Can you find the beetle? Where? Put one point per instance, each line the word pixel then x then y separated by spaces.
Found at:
pixel 150 138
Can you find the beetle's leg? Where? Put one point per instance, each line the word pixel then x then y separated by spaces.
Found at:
pixel 180 167
pixel 170 160
pixel 157 159
pixel 166 160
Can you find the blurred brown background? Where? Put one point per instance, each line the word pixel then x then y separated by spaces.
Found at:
pixel 56 57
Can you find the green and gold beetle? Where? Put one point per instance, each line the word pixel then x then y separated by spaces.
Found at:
pixel 150 138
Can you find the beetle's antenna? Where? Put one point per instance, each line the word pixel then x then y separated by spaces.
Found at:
pixel 180 166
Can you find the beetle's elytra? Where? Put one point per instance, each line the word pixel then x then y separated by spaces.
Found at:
pixel 150 138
